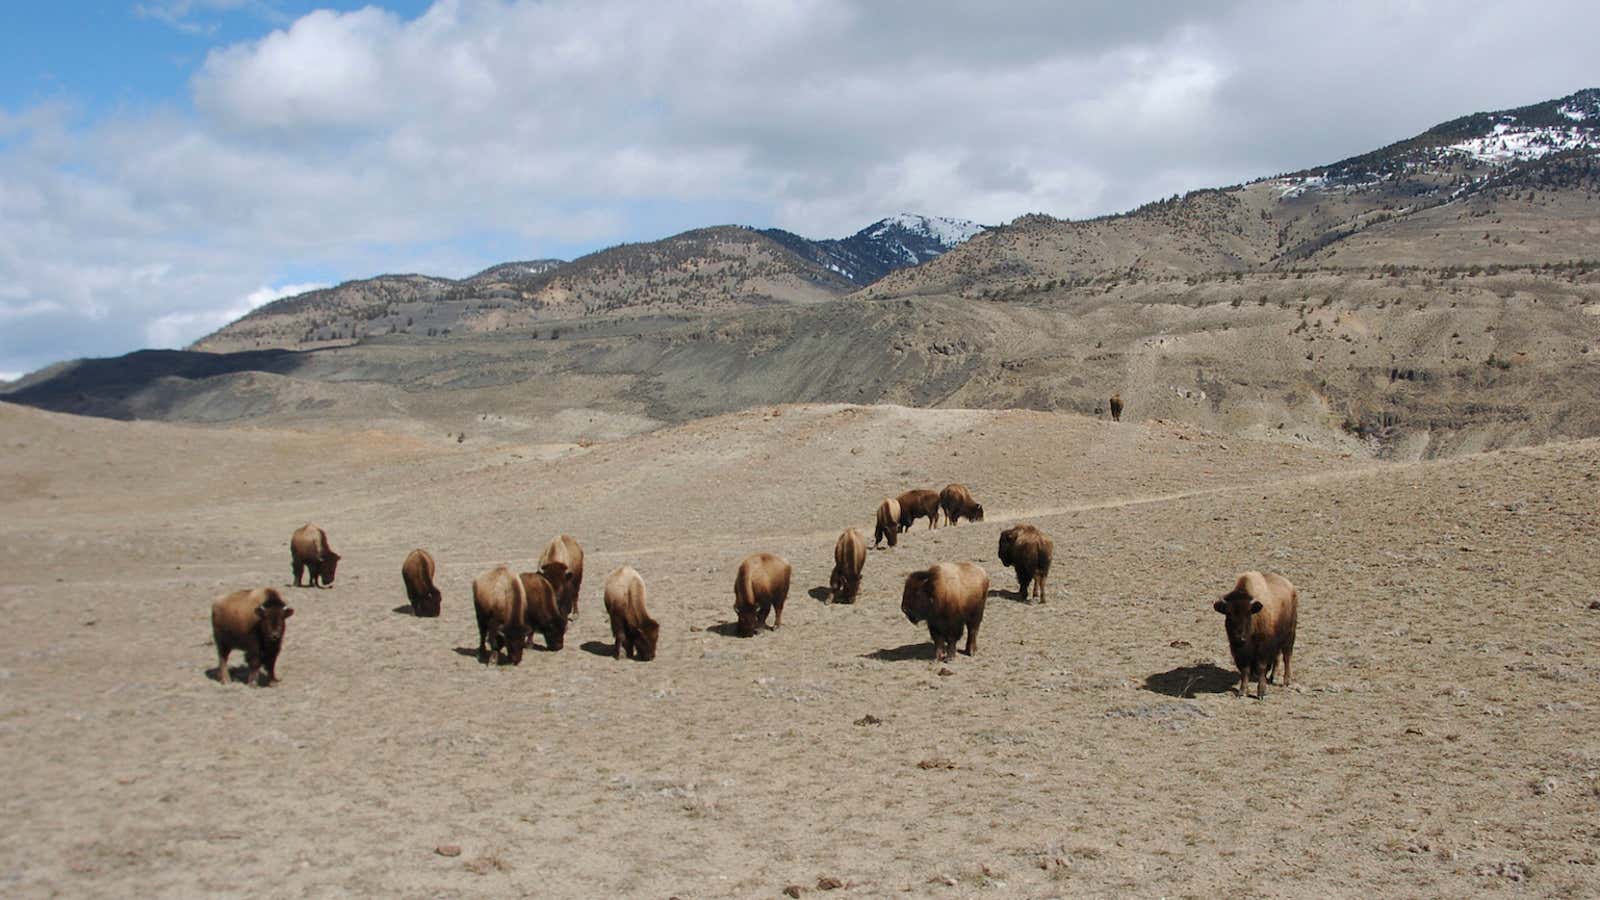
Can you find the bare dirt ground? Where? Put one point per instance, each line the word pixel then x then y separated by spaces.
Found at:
pixel 1441 737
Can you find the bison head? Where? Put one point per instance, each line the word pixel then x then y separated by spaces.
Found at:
pixel 555 634
pixel 512 639
pixel 1008 540
pixel 1237 606
pixel 917 597
pixel 329 565
pixel 645 648
pixel 430 603
pixel 271 616
pixel 977 512
pixel 747 621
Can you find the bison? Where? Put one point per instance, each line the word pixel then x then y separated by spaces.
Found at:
pixel 1260 619
pixel 632 629
pixel 1027 550
pixel 417 573
pixel 918 503
pixel 542 594
pixel 950 596
pixel 849 555
pixel 1116 407
pixel 888 522
pixel 957 503
pixel 564 551
pixel 502 609
pixel 309 551
pixel 761 585
pixel 252 621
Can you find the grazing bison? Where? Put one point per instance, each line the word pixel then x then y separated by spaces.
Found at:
pixel 565 552
pixel 888 522
pixel 1116 407
pixel 950 597
pixel 417 573
pixel 1027 550
pixel 252 621
pixel 309 551
pixel 918 503
pixel 762 585
pixel 957 503
pixel 502 609
pixel 849 555
pixel 632 629
pixel 1260 620
pixel 544 614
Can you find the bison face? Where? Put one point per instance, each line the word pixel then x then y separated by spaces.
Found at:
pixel 512 639
pixel 747 622
pixel 555 636
pixel 645 647
pixel 330 565
pixel 431 603
pixel 977 512
pixel 917 597
pixel 1008 539
pixel 555 573
pixel 270 619
pixel 1237 608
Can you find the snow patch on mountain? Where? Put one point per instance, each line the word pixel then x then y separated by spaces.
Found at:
pixel 948 232
pixel 1510 142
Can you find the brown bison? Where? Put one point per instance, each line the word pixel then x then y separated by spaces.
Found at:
pixel 849 555
pixel 1260 618
pixel 1116 407
pixel 918 503
pixel 1027 550
pixel 950 597
pixel 762 585
pixel 543 598
pixel 888 522
pixel 957 503
pixel 502 609
pixel 563 551
pixel 632 629
pixel 417 573
pixel 309 551
pixel 252 621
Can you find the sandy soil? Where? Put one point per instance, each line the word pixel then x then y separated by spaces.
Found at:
pixel 1441 737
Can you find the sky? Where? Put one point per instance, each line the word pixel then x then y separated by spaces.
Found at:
pixel 168 165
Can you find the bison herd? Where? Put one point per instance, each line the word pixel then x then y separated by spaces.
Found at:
pixel 1259 612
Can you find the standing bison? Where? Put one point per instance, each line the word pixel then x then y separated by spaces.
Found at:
pixel 762 585
pixel 544 614
pixel 1260 614
pixel 502 609
pixel 309 551
pixel 563 551
pixel 632 629
pixel 888 522
pixel 1027 550
pixel 417 573
pixel 918 503
pixel 252 621
pixel 957 503
pixel 950 596
pixel 1116 407
pixel 849 555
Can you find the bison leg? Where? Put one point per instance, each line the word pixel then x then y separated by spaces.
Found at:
pixel 299 567
pixel 777 609
pixel 972 638
pixel 1287 652
pixel 483 638
pixel 617 639
pixel 252 660
pixel 1244 681
pixel 1024 579
pixel 222 665
pixel 269 660
pixel 1038 587
pixel 1261 682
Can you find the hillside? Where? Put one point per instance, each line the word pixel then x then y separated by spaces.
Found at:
pixel 703 270
pixel 1516 187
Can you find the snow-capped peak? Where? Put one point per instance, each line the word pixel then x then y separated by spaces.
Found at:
pixel 948 232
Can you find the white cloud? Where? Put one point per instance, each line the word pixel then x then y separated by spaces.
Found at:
pixel 173 330
pixel 346 144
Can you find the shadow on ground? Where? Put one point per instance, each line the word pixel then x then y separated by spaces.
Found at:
pixel 1187 681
